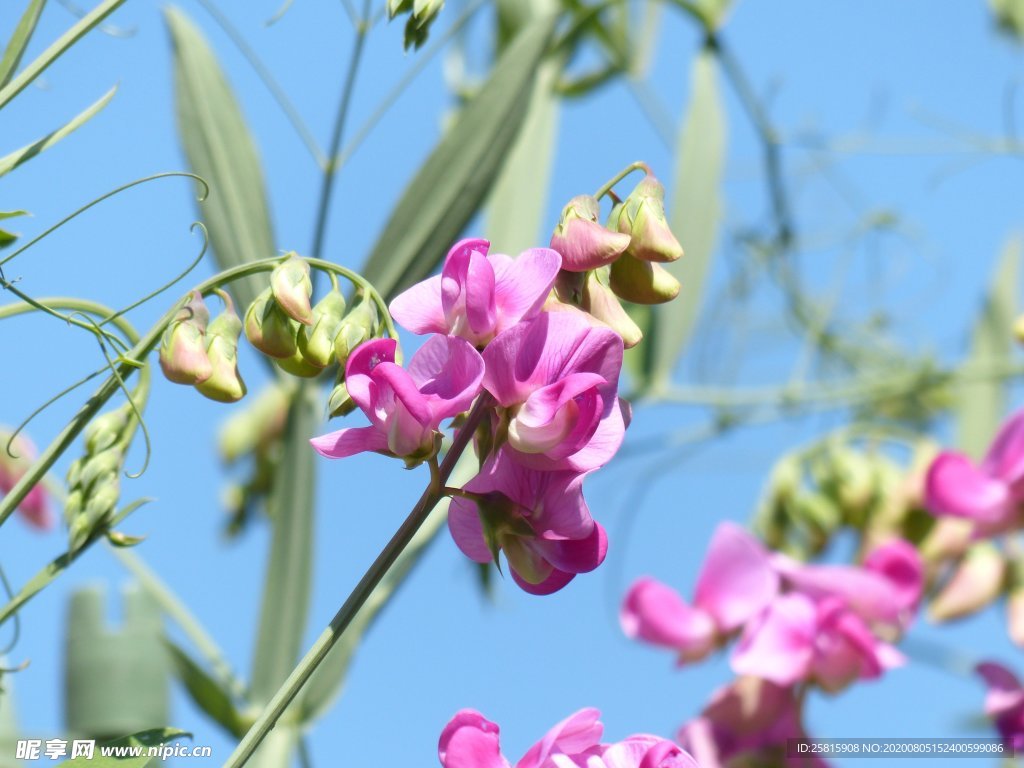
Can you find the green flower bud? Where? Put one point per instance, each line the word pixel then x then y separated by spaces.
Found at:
pixel 642 282
pixel 183 347
pixel 74 475
pixel 316 343
pixel 359 325
pixel 258 424
pixel 582 242
pixel 643 218
pixel 604 305
pixel 105 430
pixel 292 288
pixel 269 328
pixel 340 402
pixel 74 503
pixel 97 466
pixel 225 384
pixel 297 365
pixel 976 582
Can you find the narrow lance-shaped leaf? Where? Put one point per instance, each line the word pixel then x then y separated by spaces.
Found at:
pixel 144 739
pixel 59 46
pixel 219 148
pixel 694 216
pixel 452 184
pixel 19 40
pixel 206 692
pixel 9 162
pixel 981 401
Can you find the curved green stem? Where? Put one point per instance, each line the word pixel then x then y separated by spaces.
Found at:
pixel 318 652
pixel 605 188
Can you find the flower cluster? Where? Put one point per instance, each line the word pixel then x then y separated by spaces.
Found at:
pixel 550 377
pixel 471 741
pixel 797 624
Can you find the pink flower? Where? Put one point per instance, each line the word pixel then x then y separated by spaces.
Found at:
pixel 471 741
pixel 556 379
pixel 477 296
pixel 749 722
pixel 1004 702
pixel 988 494
pixel 35 507
pixel 539 519
pixel 405 406
pixel 736 583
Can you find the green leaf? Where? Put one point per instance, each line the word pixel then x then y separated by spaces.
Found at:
pixel 219 148
pixel 325 684
pixel 116 679
pixel 289 571
pixel 206 692
pixel 65 41
pixel 19 156
pixel 6 238
pixel 19 40
pixel 9 732
pixel 143 740
pixel 695 215
pixel 451 185
pixel 981 401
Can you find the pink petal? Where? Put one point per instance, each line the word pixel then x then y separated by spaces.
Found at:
pixel 575 555
pixel 467 291
pixel 418 309
pixel 35 508
pixel 521 285
pixel 550 585
pixel 1005 458
pixel 449 371
pixel 900 563
pixel 577 733
pixel 1004 689
pixel 559 419
pixel 737 580
pixel 699 736
pixel 470 741
pixel 467 531
pixel 655 613
pixel 954 486
pixel 780 646
pixel 846 649
pixel 368 355
pixel 348 442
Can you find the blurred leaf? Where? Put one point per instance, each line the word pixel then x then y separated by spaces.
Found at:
pixel 19 40
pixel 326 682
pixel 206 692
pixel 9 733
pixel 694 215
pixel 47 57
pixel 1009 15
pixel 453 182
pixel 219 148
pixel 116 680
pixel 144 739
pixel 9 162
pixel 289 571
pixel 6 238
pixel 981 402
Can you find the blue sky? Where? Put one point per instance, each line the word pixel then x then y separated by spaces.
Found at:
pixel 876 75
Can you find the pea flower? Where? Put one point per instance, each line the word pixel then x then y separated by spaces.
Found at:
pixel 477 295
pixel 539 519
pixel 1004 702
pixel 555 379
pixel 471 741
pixel 35 507
pixel 989 493
pixel 405 406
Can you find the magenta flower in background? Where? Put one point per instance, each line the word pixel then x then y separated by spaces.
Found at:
pixel 539 519
pixel 556 380
pixel 471 741
pixel 405 406
pixel 736 583
pixel 989 493
pixel 1004 702
pixel 35 507
pixel 477 296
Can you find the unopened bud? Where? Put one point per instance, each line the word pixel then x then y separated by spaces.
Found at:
pixel 642 282
pixel 359 325
pixel 977 581
pixel 105 430
pixel 340 402
pixel 643 219
pixel 292 288
pixel 604 305
pixel 316 343
pixel 74 503
pixel 948 538
pixel 269 328
pixel 100 465
pixel 582 241
pixel 183 347
pixel 297 365
pixel 225 383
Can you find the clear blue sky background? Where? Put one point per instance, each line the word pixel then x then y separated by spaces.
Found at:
pixel 842 68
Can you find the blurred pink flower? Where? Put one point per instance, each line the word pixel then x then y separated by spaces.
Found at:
pixel 539 519
pixel 405 406
pixel 477 296
pixel 989 493
pixel 1004 702
pixel 471 741
pixel 556 379
pixel 35 507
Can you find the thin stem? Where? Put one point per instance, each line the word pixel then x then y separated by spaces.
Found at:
pixel 607 186
pixel 331 167
pixel 318 652
pixel 461 494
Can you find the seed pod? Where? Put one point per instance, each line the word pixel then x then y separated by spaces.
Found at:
pixel 269 328
pixel 183 347
pixel 581 240
pixel 642 282
pixel 316 343
pixel 292 288
pixel 225 383
pixel 643 218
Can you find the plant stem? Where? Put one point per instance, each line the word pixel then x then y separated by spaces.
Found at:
pixel 318 652
pixel 607 186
